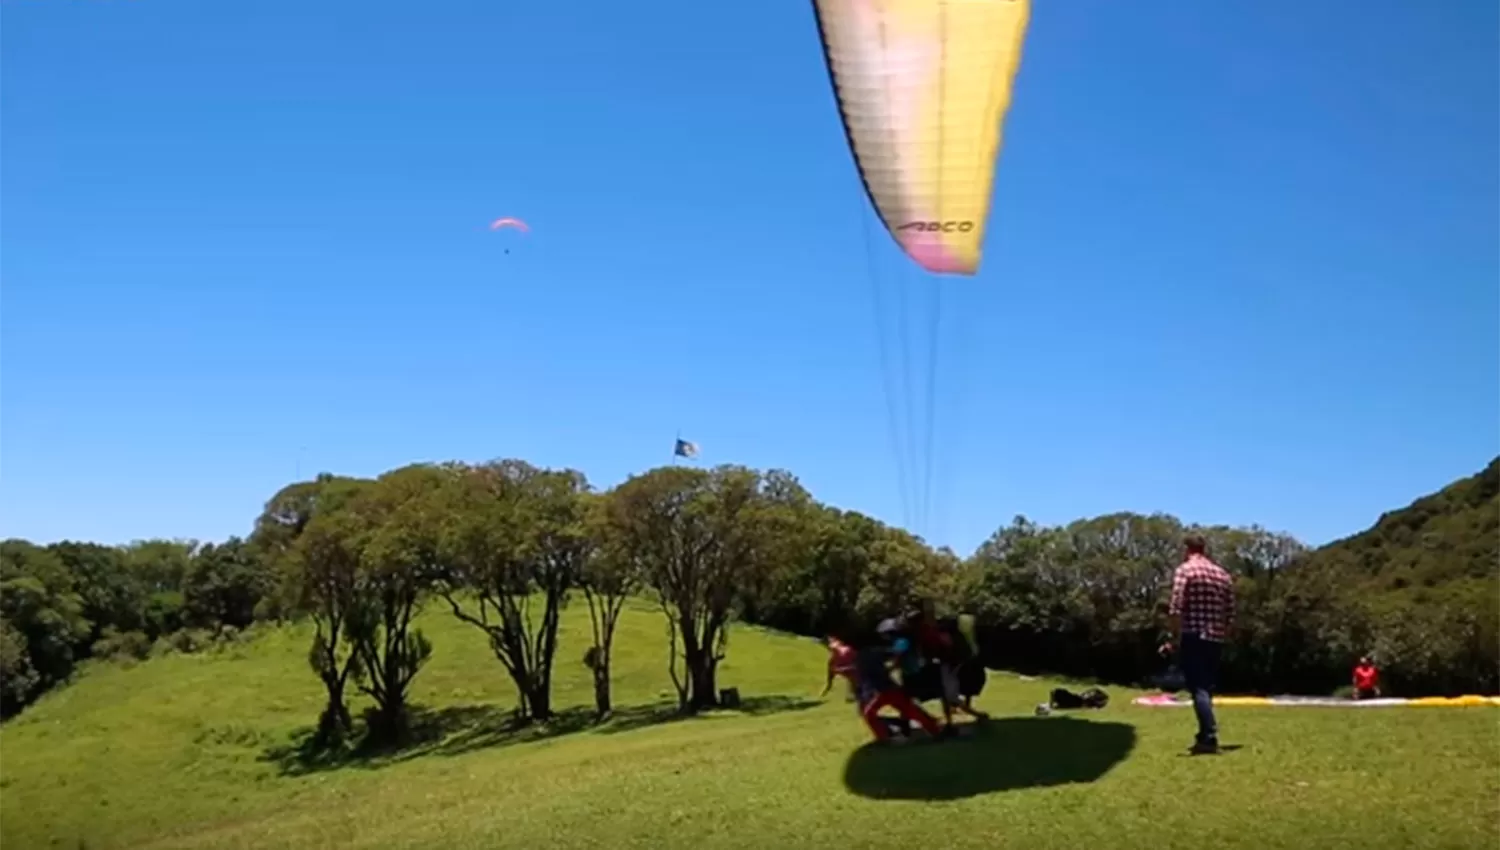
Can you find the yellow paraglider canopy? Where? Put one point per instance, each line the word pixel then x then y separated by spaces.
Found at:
pixel 923 87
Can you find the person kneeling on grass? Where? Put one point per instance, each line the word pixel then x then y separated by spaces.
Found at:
pixel 877 690
pixel 1366 679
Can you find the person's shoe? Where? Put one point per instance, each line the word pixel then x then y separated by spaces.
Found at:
pixel 1204 748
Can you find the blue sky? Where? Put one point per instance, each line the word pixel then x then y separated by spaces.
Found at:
pixel 1242 264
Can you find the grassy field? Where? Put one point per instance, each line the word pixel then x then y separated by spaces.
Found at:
pixel 199 751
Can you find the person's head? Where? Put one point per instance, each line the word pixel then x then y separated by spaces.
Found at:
pixel 1364 661
pixel 1194 544
pixel 928 610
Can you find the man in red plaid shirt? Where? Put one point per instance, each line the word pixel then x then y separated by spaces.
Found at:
pixel 1200 613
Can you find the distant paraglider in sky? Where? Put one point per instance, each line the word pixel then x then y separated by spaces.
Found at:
pixel 502 223
pixel 510 222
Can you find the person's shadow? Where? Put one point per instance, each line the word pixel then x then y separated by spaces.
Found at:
pixel 1000 755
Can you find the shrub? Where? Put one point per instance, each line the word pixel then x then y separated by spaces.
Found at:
pixel 116 645
pixel 186 641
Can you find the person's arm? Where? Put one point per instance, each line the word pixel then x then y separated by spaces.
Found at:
pixel 1229 618
pixel 1174 607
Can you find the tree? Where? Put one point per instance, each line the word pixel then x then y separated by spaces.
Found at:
pixel 901 571
pixel 664 521
pixel 840 572
pixel 516 533
pixel 396 535
pixel 562 543
pixel 224 585
pixel 842 567
pixel 114 595
pixel 160 566
pixel 1032 598
pixel 311 542
pixel 702 539
pixel 18 680
pixel 281 523
pixel 287 513
pixel 608 578
pixel 43 613
pixel 326 561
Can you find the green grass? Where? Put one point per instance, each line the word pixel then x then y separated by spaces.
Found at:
pixel 193 751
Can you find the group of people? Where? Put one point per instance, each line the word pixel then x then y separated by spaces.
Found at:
pixel 936 659
pixel 933 658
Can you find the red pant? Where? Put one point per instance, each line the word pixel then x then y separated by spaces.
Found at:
pixel 899 701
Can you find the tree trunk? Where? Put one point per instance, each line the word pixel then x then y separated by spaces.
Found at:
pixel 540 699
pixel 523 695
pixel 334 724
pixel 602 705
pixel 678 684
pixel 388 723
pixel 702 671
pixel 541 688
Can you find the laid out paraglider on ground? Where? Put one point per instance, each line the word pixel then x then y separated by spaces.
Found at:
pixel 513 223
pixel 1365 692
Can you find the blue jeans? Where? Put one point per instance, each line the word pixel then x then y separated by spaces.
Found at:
pixel 1200 667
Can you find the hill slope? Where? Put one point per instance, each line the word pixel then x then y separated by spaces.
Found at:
pixel 1448 535
pixel 193 751
pixel 1420 591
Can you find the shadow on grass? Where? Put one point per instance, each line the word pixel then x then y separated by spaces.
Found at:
pixel 1000 755
pixel 456 730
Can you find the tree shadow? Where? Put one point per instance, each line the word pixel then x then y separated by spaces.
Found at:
pixel 658 713
pixel 456 730
pixel 998 755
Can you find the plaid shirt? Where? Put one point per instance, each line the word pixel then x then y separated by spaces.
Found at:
pixel 1203 596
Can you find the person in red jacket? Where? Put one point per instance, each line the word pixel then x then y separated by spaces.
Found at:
pixel 841 662
pixel 1366 679
pixel 873 690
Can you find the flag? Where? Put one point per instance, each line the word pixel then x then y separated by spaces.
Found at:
pixel 685 448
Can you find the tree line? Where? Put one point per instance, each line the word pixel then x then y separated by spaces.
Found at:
pixel 504 546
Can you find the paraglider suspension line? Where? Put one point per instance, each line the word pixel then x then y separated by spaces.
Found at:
pixel 936 303
pixel 887 381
